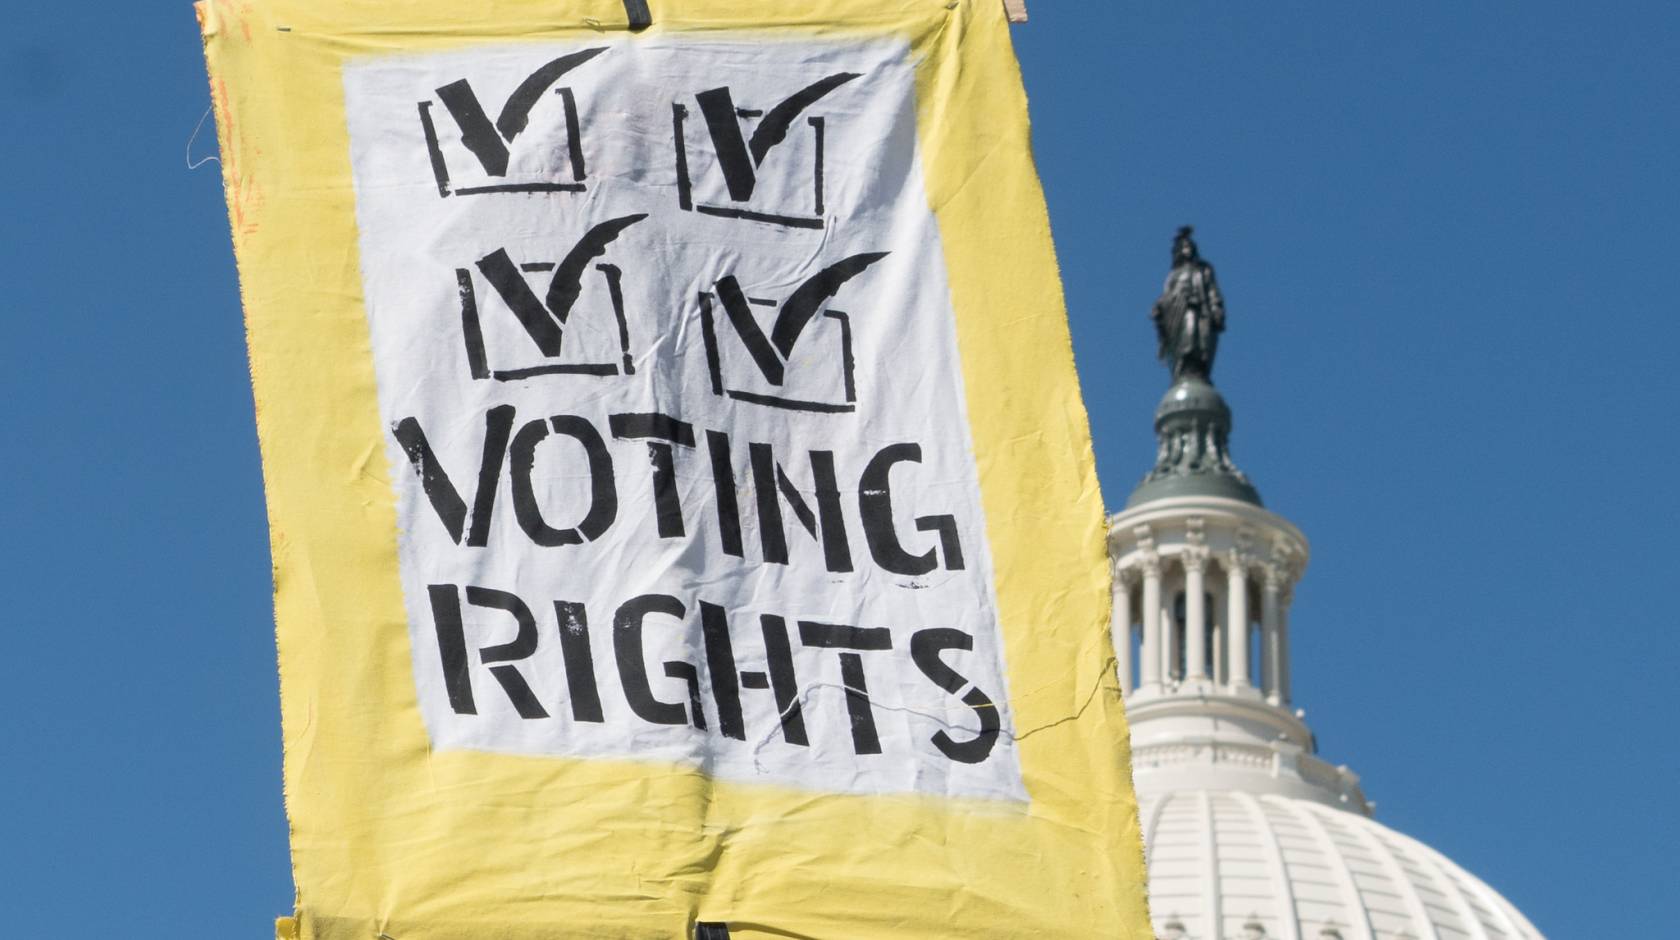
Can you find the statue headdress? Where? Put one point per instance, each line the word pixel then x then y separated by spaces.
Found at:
pixel 1183 238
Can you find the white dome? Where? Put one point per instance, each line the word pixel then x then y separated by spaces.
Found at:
pixel 1232 865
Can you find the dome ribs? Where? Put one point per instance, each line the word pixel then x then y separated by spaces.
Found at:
pixel 1289 919
pixel 1354 906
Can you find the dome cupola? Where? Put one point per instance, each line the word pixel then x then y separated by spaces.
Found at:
pixel 1249 833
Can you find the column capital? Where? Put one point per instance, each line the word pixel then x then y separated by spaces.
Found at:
pixel 1287 557
pixel 1194 557
pixel 1238 562
pixel 1126 576
pixel 1147 564
pixel 1276 576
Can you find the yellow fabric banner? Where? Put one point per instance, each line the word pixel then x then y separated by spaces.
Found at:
pixel 683 512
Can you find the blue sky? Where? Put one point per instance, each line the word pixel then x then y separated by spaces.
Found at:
pixel 1446 234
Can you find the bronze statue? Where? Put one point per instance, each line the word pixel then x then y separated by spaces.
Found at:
pixel 1190 314
pixel 1193 423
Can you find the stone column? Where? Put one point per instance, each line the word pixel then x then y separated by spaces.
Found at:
pixel 1120 626
pixel 1172 638
pixel 1217 639
pixel 1149 675
pixel 1285 599
pixel 1195 559
pixel 1271 661
pixel 1236 620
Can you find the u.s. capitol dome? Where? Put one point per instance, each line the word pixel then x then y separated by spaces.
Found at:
pixel 1248 833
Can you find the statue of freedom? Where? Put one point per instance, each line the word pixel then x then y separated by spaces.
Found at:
pixel 1190 314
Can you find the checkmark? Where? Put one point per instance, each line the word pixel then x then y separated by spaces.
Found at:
pixel 542 319
pixel 770 353
pixel 740 156
pixel 489 141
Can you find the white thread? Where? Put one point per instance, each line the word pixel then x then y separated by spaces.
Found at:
pixel 198 127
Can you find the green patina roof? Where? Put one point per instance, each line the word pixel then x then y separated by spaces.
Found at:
pixel 1193 425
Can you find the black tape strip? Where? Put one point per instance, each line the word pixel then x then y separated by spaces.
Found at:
pixel 640 19
pixel 711 931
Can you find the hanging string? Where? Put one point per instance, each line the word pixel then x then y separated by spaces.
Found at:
pixel 191 163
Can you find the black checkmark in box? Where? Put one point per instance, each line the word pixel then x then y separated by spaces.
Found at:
pixel 820 375
pixel 737 162
pixel 596 337
pixel 534 144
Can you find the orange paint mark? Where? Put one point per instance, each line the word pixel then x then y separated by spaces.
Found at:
pixel 240 11
pixel 244 196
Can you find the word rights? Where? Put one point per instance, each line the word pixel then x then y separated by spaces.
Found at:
pixel 668 371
